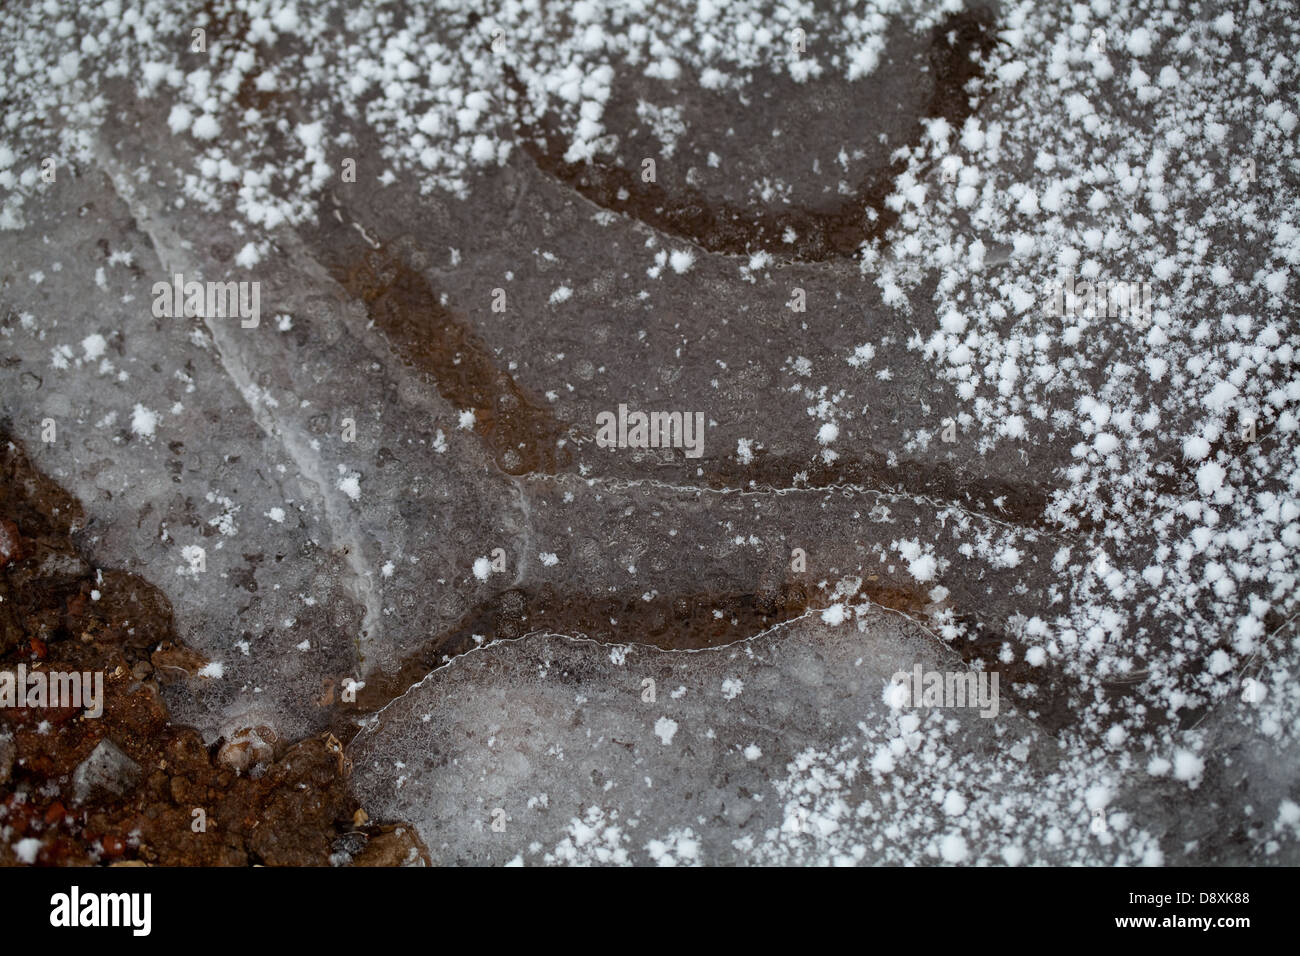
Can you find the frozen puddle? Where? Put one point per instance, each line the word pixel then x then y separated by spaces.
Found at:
pixel 867 251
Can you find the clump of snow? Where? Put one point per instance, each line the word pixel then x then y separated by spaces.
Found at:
pixel 350 485
pixel 665 730
pixel 27 849
pixel 143 421
pixel 681 261
pixel 92 346
pixel 834 615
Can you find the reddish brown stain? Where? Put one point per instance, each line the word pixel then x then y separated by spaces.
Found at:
pixel 520 431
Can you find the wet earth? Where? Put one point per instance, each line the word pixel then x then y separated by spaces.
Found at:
pixel 129 785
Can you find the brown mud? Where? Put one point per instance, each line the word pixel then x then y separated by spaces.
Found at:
pixel 290 806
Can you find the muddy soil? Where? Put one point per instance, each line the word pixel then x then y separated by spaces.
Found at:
pixel 129 786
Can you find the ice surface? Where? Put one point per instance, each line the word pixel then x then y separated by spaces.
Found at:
pixel 779 750
pixel 388 471
pixel 587 753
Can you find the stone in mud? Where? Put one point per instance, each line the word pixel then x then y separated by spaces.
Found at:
pixel 248 750
pixel 107 772
pixel 398 846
